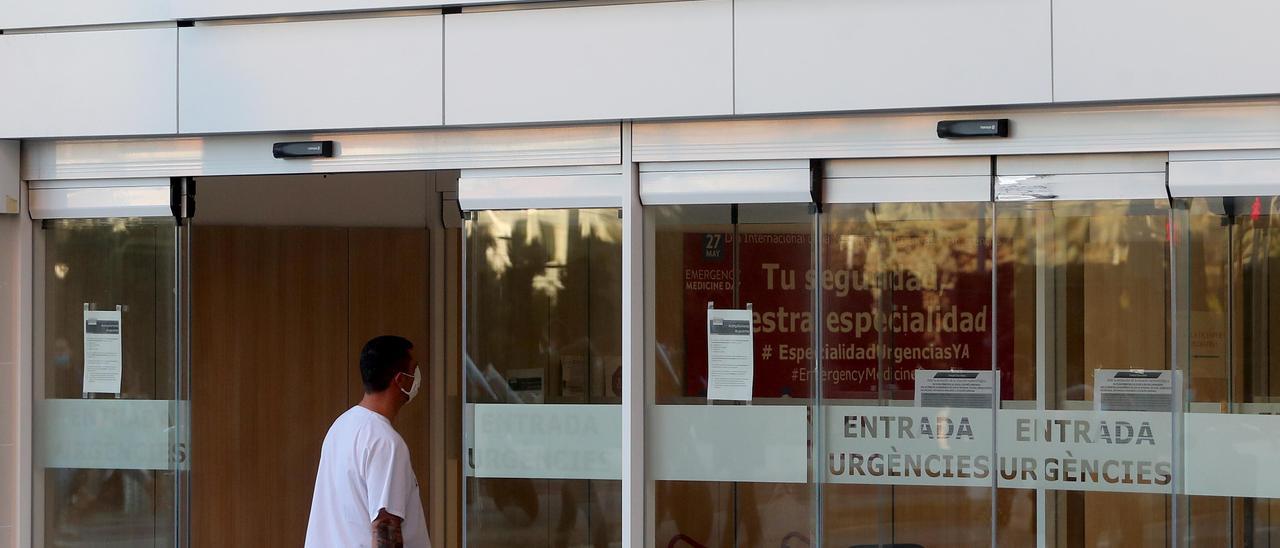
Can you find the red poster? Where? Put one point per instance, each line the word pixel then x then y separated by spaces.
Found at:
pixel 879 325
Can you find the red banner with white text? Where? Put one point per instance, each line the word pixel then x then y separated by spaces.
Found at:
pixel 927 308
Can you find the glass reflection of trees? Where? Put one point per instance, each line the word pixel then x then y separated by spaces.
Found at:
pixel 543 325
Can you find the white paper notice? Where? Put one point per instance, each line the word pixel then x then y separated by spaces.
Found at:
pixel 730 355
pixel 1133 390
pixel 102 351
pixel 957 389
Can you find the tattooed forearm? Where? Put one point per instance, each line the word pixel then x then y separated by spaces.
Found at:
pixel 386 531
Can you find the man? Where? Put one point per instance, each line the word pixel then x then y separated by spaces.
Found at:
pixel 366 492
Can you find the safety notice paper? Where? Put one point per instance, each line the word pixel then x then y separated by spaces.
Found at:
pixel 730 355
pixel 1133 390
pixel 103 358
pixel 957 389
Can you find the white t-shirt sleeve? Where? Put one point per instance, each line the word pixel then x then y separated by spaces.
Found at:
pixel 389 479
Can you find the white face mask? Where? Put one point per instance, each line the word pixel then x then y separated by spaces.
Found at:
pixel 417 382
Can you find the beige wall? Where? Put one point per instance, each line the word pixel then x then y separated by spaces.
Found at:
pixel 10 226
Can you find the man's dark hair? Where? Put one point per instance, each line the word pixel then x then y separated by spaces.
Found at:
pixel 380 361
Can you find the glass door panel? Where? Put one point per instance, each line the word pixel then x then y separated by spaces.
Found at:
pixel 1230 254
pixel 906 304
pixel 109 417
pixel 1086 300
pixel 543 328
pixel 728 436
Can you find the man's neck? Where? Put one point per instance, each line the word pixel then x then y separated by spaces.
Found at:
pixel 383 403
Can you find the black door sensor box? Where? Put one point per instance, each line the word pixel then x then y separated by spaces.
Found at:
pixel 953 129
pixel 303 149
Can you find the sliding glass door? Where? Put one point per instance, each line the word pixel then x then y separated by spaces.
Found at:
pixel 1229 251
pixel 941 352
pixel 952 352
pixel 732 383
pixel 110 392
pixel 908 385
pixel 1090 438
pixel 543 377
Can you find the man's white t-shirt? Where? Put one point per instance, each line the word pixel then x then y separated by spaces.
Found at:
pixel 364 467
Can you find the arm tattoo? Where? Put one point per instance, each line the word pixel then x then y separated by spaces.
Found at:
pixel 386 531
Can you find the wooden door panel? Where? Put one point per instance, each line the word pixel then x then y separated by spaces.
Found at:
pixel 388 273
pixel 269 357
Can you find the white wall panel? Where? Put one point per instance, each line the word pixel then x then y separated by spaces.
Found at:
pixel 16 14
pixel 119 82
pixel 350 73
pixel 1164 48
pixel 825 55
pixel 587 63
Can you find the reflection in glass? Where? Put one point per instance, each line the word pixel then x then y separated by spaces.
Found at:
pixel 913 282
pixel 1230 256
pixel 543 326
pixel 1089 290
pixel 731 257
pixel 96 491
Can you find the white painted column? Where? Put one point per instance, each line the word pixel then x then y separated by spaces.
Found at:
pixel 635 493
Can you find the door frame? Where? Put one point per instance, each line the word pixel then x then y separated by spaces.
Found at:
pixel 152 198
